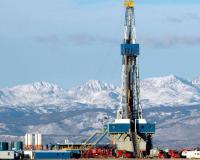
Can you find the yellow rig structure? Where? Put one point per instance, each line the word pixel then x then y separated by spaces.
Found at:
pixel 129 3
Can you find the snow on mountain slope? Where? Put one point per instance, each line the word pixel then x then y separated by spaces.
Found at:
pixel 96 92
pixel 171 102
pixel 36 94
pixel 170 90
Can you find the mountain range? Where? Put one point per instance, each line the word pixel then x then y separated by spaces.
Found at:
pixel 172 102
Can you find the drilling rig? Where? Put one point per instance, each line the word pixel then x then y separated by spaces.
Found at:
pixel 130 132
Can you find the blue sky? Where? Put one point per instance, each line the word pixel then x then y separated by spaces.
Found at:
pixel 68 42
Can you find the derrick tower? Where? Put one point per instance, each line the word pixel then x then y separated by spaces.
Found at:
pixel 130 132
pixel 130 97
pixel 130 107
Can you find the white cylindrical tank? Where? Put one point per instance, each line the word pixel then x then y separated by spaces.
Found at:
pixel 38 141
pixel 39 136
pixel 30 140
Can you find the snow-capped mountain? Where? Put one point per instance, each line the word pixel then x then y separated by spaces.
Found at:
pixel 96 92
pixel 170 90
pixel 172 102
pixel 37 94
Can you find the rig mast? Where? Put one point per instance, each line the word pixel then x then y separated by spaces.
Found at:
pixel 130 101
pixel 130 132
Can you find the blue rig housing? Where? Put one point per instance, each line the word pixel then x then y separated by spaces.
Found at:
pixel 146 128
pixel 130 49
pixel 117 128
pixel 114 128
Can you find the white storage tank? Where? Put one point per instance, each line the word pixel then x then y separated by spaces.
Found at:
pixel 38 141
pixel 29 140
